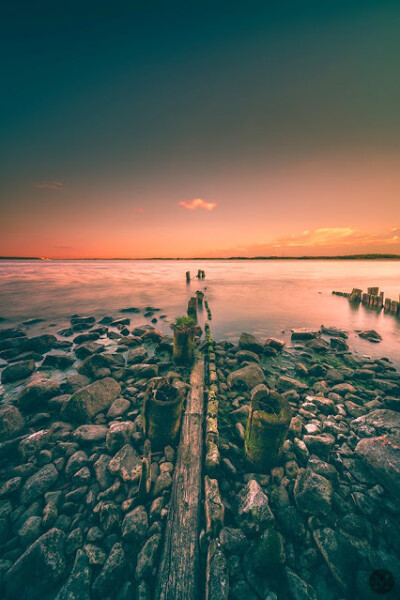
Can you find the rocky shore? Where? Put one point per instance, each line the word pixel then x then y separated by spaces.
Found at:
pixel 84 500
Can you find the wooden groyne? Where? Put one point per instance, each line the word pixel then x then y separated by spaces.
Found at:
pixel 178 576
pixel 372 298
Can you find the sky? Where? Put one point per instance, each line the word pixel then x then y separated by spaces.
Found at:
pixel 199 129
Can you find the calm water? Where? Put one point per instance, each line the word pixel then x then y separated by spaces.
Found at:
pixel 263 297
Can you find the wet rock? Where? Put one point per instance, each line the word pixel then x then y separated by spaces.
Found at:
pixel 299 589
pixel 320 444
pixel 10 487
pixel 75 462
pixel 37 393
pixel 288 383
pixel 39 483
pixel 87 349
pixel 313 493
pixel 90 400
pixel 32 444
pixel 247 355
pixel 58 361
pixel 135 524
pixel 127 464
pixel 118 435
pixel 248 341
pixel 382 456
pixel 275 343
pixel 41 343
pixel 38 570
pixel 338 557
pixel 77 586
pixel 12 332
pixel 254 510
pixel 339 344
pixel 118 408
pixel 90 434
pixel 303 334
pixel 371 335
pixel 380 420
pixel 343 388
pixel 11 422
pixel 334 332
pixel 147 557
pixel 267 552
pixel 218 574
pixel 30 530
pixel 102 472
pixel 246 377
pixel 163 482
pixel 137 355
pixel 142 370
pixel 18 371
pixel 233 541
pixel 111 574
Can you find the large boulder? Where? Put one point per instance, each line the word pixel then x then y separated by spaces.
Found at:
pixel 41 343
pixel 38 570
pixel 95 362
pixel 37 393
pixel 11 422
pixel 382 456
pixel 250 342
pixel 38 483
pixel 313 493
pixel 378 421
pixel 246 377
pixel 77 586
pixel 90 400
pixel 18 371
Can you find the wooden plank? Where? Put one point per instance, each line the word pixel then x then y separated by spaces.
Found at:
pixel 178 576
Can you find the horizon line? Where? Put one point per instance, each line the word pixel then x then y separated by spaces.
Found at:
pixel 366 256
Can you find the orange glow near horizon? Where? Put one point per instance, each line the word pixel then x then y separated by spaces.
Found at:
pixel 330 206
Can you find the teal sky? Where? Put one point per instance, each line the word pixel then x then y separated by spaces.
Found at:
pixel 127 109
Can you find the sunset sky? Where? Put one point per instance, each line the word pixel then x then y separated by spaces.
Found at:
pixel 183 129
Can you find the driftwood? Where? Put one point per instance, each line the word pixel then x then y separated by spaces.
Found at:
pixel 178 576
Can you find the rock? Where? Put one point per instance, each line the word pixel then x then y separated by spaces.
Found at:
pixel 30 530
pixel 37 393
pixel 274 343
pixel 163 482
pixel 302 333
pixel 338 557
pixel 118 408
pixel 392 403
pixel 325 405
pixel 109 578
pixel 39 483
pixel 371 335
pixel 218 574
pixel 317 345
pixel 94 363
pixel 288 383
pixel 233 541
pixel 267 553
pixel 135 525
pixel 249 342
pixel 147 556
pixel 334 332
pixel 12 332
pixel 313 493
pixel 10 487
pixel 58 361
pixel 11 422
pixel 339 344
pixel 344 388
pixel 254 510
pixel 38 570
pixel 299 589
pixel 90 434
pixel 18 371
pixel 247 355
pixel 382 456
pixel 103 475
pixel 142 370
pixel 320 444
pixel 77 586
pixel 137 355
pixel 127 464
pixel 87 349
pixel 41 343
pixel 118 435
pixel 152 335
pixel 32 444
pixel 246 377
pixel 75 462
pixel 380 420
pixel 90 400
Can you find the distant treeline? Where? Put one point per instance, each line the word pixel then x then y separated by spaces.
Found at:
pixel 338 257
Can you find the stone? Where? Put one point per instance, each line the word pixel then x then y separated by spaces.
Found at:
pixel 248 341
pixel 77 586
pixel 303 334
pixel 135 525
pixel 75 462
pixel 39 483
pixel 118 408
pixel 103 475
pixel 40 568
pixel 338 557
pixel 233 541
pixel 10 487
pixel 380 420
pixel 147 557
pixel 247 356
pixel 298 588
pixel 371 335
pixel 275 343
pixel 109 578
pixel 37 393
pixel 163 482
pixel 90 400
pixel 41 343
pixel 30 530
pixel 382 456
pixel 118 435
pixel 254 510
pixel 127 464
pixel 247 377
pixel 87 349
pixel 320 444
pixel 217 574
pixel 90 434
pixel 95 362
pixel 11 422
pixel 58 361
pixel 18 371
pixel 343 388
pixel 313 493
pixel 137 355
pixel 268 553
pixel 288 383
pixel 142 370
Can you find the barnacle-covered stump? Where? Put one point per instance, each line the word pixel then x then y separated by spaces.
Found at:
pixel 267 427
pixel 162 412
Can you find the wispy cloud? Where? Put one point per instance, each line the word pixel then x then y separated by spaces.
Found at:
pixel 198 203
pixel 49 185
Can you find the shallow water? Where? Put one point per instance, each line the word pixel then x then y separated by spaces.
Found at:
pixel 263 297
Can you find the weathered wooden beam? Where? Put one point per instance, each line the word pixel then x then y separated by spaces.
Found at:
pixel 178 576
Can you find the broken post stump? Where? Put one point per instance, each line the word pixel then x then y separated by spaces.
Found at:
pixel 267 426
pixel 192 308
pixel 162 412
pixel 355 295
pixel 187 276
pixel 184 341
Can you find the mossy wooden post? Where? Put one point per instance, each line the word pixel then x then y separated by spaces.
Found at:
pixel 192 308
pixel 267 427
pixel 355 295
pixel 162 412
pixel 200 298
pixel 184 341
pixel 187 276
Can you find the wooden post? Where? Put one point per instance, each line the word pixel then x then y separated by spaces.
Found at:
pixel 187 276
pixel 184 341
pixel 355 295
pixel 192 308
pixel 178 575
pixel 162 412
pixel 200 297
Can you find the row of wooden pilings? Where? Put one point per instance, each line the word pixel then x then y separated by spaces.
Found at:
pixel 372 298
pixel 200 275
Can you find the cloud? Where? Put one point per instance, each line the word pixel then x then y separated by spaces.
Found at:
pixel 49 185
pixel 198 203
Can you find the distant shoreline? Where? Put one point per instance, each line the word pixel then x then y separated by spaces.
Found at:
pixel 338 257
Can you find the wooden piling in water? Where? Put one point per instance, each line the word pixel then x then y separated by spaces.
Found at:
pixel 178 576
pixel 187 276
